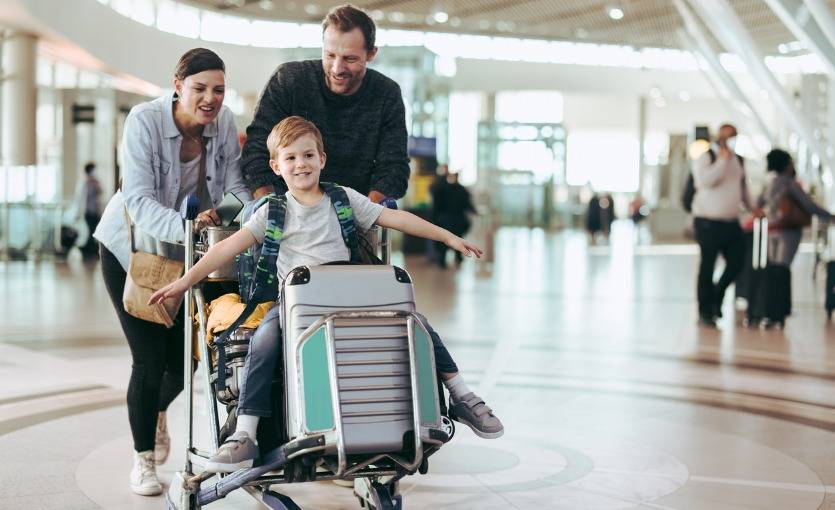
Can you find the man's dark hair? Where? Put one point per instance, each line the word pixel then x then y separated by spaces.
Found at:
pixel 727 125
pixel 197 60
pixel 89 167
pixel 347 17
pixel 778 160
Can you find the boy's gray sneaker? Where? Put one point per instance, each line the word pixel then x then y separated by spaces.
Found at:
pixel 238 452
pixel 474 413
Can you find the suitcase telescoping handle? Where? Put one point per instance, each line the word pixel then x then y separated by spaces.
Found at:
pixel 759 252
pixel 385 248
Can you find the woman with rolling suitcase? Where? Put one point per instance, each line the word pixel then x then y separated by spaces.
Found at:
pixel 788 209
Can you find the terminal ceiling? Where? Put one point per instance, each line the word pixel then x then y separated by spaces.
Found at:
pixel 645 22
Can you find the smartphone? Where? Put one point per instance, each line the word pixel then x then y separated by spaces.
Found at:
pixel 229 208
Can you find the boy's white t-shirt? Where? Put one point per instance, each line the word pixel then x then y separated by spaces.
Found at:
pixel 312 235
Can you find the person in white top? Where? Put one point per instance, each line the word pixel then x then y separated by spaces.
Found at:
pixel 719 179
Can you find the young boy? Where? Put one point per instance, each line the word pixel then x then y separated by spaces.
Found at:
pixel 312 236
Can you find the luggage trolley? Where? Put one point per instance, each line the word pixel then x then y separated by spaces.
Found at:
pixel 360 400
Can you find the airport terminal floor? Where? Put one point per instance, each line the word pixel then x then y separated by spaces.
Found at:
pixel 611 395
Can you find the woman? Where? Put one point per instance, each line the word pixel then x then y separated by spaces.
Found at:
pixel 167 144
pixel 784 234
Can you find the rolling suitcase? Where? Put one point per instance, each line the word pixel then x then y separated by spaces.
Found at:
pixel 756 291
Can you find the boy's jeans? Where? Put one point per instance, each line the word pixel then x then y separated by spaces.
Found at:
pixel 259 366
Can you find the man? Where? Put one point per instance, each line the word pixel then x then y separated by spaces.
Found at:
pixel 359 112
pixel 719 178
pixel 88 199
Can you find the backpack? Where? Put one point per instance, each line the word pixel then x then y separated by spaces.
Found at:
pixel 690 186
pixel 258 281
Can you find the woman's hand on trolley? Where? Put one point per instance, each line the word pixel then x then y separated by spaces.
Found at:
pixel 174 289
pixel 205 219
pixel 467 248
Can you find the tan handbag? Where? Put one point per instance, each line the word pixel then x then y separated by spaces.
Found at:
pixel 147 274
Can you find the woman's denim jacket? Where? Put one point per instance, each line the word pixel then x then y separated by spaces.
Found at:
pixel 151 176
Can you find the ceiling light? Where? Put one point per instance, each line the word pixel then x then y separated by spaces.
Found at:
pixel 441 17
pixel 377 15
pixel 397 17
pixel 783 48
pixel 484 24
pixel 581 33
pixel 615 13
pixel 311 9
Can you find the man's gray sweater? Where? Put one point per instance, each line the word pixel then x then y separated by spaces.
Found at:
pixel 364 133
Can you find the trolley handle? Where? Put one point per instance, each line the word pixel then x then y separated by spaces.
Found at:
pixel 190 207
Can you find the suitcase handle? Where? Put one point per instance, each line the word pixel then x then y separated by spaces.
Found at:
pixel 759 252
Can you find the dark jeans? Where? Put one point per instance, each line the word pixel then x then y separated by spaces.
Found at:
pixel 263 354
pixel 714 238
pixel 157 371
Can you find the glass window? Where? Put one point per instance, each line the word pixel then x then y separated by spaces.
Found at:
pixel 178 19
pixel 464 113
pixel 606 160
pixel 228 29
pixel 144 11
pixel 535 157
pixel 540 106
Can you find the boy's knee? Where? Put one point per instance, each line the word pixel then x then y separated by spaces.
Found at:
pixel 266 337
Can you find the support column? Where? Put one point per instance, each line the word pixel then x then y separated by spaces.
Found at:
pixel 642 136
pixel 820 11
pixel 795 15
pixel 19 99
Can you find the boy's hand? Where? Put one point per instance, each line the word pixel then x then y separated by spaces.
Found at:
pixel 468 249
pixel 174 289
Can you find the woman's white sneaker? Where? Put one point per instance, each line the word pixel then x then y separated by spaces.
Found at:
pixel 143 476
pixel 162 445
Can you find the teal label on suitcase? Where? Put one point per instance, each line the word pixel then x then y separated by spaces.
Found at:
pixel 427 386
pixel 318 400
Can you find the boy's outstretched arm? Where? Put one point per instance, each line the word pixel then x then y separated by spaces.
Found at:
pixel 217 256
pixel 411 224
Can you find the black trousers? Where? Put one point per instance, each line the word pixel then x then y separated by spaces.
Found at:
pixel 715 238
pixel 91 247
pixel 157 371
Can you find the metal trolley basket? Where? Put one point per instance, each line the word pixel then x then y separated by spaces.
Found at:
pixel 359 393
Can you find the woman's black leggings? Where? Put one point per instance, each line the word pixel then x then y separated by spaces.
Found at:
pixel 157 372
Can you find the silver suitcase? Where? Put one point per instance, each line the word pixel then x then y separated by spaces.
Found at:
pixel 359 365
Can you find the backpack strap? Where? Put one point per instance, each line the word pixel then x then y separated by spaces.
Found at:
pixel 264 281
pixel 246 261
pixel 345 214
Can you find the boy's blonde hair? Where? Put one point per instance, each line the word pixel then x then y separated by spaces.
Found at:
pixel 289 130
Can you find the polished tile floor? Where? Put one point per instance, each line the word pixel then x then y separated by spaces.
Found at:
pixel 612 397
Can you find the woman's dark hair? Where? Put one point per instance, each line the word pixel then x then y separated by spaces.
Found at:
pixel 347 17
pixel 197 60
pixel 778 160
